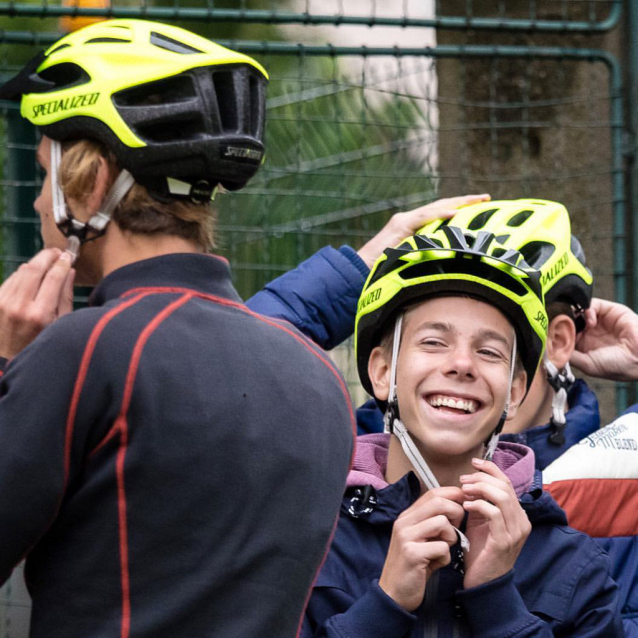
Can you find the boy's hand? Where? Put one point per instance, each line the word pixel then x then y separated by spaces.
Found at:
pixel 34 296
pixel 497 526
pixel 608 347
pixel 421 539
pixel 402 225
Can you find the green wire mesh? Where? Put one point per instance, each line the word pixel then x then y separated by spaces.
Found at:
pixel 515 15
pixel 354 136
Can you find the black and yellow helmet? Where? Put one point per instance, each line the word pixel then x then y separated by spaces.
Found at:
pixel 452 261
pixel 182 114
pixel 541 231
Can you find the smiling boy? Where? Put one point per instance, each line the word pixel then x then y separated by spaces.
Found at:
pixel 443 531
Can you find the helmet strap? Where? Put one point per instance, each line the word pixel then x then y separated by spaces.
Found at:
pixel 393 424
pixel 562 382
pixel 392 411
pixel 492 442
pixel 75 231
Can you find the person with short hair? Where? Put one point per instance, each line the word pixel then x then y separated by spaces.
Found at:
pixel 171 462
pixel 443 530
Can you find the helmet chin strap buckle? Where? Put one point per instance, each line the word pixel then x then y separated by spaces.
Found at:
pixel 562 382
pixel 73 247
pixel 75 231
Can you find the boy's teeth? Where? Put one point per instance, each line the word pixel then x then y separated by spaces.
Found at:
pixel 458 404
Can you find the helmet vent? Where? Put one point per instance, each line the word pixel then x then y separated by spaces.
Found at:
pixel 520 218
pixel 256 105
pixel 62 46
pixel 536 253
pixel 64 76
pixel 480 220
pixel 465 267
pixel 169 91
pixel 164 42
pixel 225 90
pixel 107 39
pixel 161 132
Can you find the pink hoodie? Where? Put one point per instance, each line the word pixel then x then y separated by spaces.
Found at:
pixel 371 459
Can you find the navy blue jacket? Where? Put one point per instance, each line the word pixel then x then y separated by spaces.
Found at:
pixel 560 585
pixel 171 464
pixel 312 298
pixel 319 297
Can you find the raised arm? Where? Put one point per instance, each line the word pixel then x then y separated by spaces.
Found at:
pixel 320 296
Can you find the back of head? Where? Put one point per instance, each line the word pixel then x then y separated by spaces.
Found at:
pixel 541 231
pixel 180 113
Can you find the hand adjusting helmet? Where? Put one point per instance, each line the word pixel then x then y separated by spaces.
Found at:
pixel 541 231
pixel 181 114
pixel 448 261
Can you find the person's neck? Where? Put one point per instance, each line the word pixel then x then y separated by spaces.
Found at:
pixel 119 248
pixel 534 411
pixel 446 470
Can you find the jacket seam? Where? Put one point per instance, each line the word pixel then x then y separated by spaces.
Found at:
pixel 307 343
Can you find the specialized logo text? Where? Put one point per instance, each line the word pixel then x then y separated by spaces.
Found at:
pixel 369 298
pixel 541 317
pixel 558 266
pixel 237 152
pixel 67 104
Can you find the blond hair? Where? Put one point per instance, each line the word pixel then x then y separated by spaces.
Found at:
pixel 138 212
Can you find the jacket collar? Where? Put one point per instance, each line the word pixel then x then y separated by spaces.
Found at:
pixel 370 497
pixel 205 274
pixel 371 459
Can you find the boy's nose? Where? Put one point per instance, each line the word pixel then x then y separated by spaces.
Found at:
pixel 460 363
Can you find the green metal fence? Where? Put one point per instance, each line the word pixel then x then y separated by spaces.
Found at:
pixel 377 106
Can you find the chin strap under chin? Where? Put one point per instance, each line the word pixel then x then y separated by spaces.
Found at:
pixel 75 231
pixel 561 382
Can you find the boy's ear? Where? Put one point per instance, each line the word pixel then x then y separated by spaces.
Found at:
pixel 379 373
pixel 561 340
pixel 519 384
pixel 93 201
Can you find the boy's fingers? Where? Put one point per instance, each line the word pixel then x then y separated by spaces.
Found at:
pixel 66 299
pixel 489 467
pixel 51 290
pixel 24 284
pixel 451 510
pixel 492 514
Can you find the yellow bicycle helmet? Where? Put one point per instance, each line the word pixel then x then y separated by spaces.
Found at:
pixel 452 261
pixel 541 231
pixel 181 113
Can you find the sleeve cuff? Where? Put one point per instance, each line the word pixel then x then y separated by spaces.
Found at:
pixel 495 608
pixel 352 255
pixel 376 615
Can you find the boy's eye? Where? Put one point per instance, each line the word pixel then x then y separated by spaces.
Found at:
pixel 494 354
pixel 432 342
